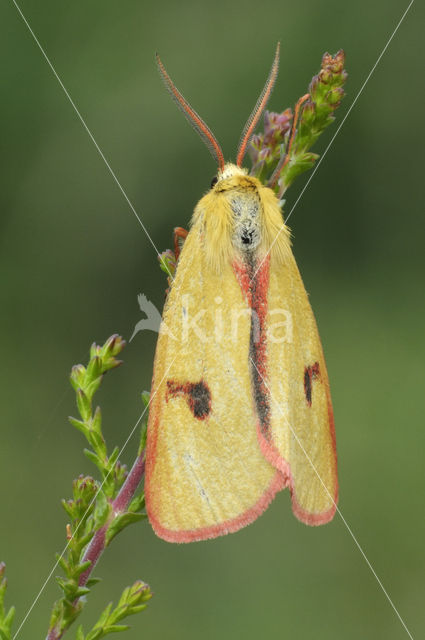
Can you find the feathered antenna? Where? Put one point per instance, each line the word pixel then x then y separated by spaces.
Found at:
pixel 194 119
pixel 253 119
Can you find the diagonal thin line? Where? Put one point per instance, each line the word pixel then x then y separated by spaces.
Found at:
pixel 336 507
pixel 91 503
pixel 83 122
pixel 336 132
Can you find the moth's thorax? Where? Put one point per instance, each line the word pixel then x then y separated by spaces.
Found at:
pixel 239 193
pixel 246 214
pixel 240 215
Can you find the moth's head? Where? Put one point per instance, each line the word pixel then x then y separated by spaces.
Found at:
pixel 239 213
pixel 235 197
pixel 226 173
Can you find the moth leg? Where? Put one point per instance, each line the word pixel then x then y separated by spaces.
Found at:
pixel 179 237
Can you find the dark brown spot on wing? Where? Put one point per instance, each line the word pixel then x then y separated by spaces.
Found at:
pixel 310 373
pixel 197 394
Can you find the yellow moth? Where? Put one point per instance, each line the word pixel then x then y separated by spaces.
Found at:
pixel 240 404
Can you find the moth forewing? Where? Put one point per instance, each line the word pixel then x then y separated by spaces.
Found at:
pixel 301 439
pixel 205 473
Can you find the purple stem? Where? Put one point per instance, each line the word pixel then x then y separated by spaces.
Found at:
pixel 97 545
pixel 119 506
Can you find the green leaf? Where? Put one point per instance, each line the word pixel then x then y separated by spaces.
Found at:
pixel 90 583
pixel 137 503
pixel 104 616
pixel 63 564
pixel 91 455
pixel 78 424
pixel 140 592
pixel 113 346
pixel 84 405
pixel 80 633
pixel 95 350
pixel 94 370
pixel 68 587
pixel 95 634
pixel 93 386
pixel 78 376
pixel 69 506
pixel 120 522
pixel 97 441
pixel 96 423
pixel 113 458
pixel 138 608
pixel 9 618
pixel 102 509
pixel 80 568
pixel 146 398
pixel 143 436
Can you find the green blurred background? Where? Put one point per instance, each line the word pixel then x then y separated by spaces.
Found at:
pixel 73 259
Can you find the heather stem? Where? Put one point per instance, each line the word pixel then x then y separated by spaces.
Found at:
pixel 98 542
pixel 119 506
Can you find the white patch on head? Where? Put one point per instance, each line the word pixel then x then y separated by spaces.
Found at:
pixel 229 171
pixel 246 208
